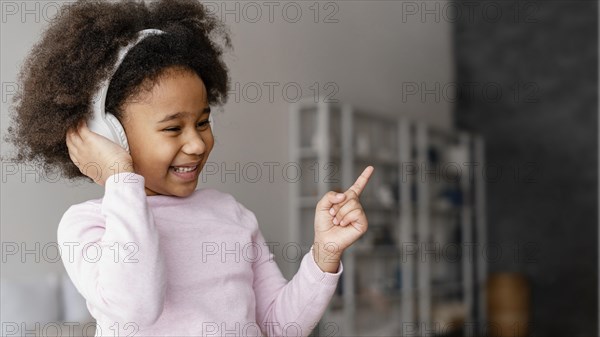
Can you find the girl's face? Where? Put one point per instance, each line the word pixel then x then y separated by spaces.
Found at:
pixel 169 127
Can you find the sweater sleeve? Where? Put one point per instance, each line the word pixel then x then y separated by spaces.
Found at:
pixel 283 307
pixel 111 253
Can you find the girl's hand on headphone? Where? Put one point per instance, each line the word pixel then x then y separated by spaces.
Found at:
pixel 95 155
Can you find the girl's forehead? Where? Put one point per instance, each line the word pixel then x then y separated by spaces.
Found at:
pixel 172 102
pixel 172 88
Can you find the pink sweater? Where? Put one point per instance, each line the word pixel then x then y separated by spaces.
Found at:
pixel 195 266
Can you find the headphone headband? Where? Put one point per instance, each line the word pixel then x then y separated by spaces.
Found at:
pixel 100 96
pixel 105 123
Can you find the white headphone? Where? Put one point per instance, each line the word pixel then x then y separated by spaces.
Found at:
pixel 105 123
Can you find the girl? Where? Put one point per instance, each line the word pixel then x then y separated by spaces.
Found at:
pixel 155 256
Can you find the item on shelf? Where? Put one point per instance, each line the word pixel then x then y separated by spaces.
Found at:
pixel 450 315
pixel 336 131
pixel 442 204
pixel 456 163
pixel 385 195
pixel 385 149
pixel 432 155
pixel 457 154
pixel 397 278
pixel 396 190
pixel 375 296
pixel 390 285
pixel 453 253
pixel 456 255
pixel 363 146
pixel 388 147
pixel 439 238
pixel 454 195
pixel 508 302
pixel 385 154
pixel 308 123
pixel 382 236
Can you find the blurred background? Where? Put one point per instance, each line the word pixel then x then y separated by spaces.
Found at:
pixel 480 119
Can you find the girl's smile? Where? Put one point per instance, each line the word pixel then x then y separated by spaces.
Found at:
pixel 169 133
pixel 185 173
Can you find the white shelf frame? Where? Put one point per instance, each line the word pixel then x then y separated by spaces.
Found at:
pixel 413 295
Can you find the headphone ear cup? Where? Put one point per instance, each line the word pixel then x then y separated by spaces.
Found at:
pixel 211 120
pixel 118 130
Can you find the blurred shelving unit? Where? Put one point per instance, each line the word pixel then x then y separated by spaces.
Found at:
pixel 419 268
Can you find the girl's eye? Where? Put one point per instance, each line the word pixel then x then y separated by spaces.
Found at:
pixel 203 126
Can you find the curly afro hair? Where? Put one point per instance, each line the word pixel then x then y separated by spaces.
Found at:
pixel 77 51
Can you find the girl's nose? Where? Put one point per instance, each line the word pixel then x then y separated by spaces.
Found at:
pixel 194 144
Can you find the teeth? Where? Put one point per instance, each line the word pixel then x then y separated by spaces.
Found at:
pixel 184 169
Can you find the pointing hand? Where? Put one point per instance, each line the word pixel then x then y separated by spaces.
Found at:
pixel 340 219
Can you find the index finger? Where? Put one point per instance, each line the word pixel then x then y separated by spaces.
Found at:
pixel 362 180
